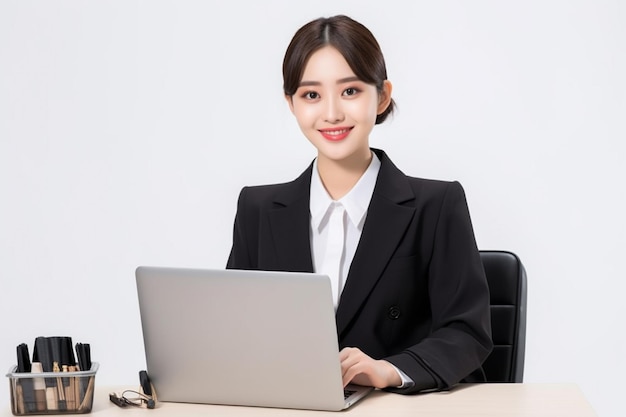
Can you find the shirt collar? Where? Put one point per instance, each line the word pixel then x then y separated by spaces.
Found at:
pixel 355 202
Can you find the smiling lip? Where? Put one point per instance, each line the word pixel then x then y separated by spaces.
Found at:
pixel 336 133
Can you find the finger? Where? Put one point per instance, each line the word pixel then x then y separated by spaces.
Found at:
pixel 349 374
pixel 371 373
pixel 348 358
pixel 347 351
pixel 355 367
pixel 346 365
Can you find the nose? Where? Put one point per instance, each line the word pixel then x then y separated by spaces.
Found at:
pixel 333 111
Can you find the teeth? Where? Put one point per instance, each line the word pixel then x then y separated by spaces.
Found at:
pixel 335 132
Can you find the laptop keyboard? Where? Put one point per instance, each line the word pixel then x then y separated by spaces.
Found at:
pixel 347 393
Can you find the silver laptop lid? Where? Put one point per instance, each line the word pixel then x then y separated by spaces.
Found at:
pixel 237 337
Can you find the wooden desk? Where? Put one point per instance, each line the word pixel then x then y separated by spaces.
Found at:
pixel 476 400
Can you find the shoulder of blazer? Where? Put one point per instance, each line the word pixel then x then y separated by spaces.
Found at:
pixel 394 185
pixel 279 195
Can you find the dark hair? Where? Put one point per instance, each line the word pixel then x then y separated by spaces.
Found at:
pixel 353 40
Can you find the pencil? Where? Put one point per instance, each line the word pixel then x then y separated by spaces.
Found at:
pixel 62 404
pixel 89 393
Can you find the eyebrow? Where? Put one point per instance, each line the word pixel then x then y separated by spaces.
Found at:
pixel 339 81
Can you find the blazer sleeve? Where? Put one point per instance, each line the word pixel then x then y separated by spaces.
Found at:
pixel 242 255
pixel 460 338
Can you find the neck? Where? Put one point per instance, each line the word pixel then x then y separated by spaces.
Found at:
pixel 339 177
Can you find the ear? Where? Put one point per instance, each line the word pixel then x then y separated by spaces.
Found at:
pixel 384 97
pixel 289 101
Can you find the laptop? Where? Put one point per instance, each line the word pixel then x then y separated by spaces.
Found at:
pixel 234 337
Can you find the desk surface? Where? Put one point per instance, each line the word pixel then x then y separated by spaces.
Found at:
pixel 484 400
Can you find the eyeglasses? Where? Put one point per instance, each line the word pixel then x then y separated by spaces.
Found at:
pixel 133 398
pixel 136 398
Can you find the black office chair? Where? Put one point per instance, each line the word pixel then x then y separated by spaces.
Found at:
pixel 507 284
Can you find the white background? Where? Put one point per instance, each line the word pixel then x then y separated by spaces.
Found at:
pixel 127 129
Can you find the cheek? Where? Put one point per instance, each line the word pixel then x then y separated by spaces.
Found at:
pixel 305 115
pixel 365 110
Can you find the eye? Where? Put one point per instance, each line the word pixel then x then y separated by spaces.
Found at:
pixel 310 95
pixel 350 91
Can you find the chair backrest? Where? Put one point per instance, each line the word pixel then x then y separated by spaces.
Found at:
pixel 508 291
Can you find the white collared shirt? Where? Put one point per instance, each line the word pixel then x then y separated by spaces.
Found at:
pixel 355 203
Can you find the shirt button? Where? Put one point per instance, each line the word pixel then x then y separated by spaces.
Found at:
pixel 393 313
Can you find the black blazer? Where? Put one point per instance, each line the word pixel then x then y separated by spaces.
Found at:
pixel 416 293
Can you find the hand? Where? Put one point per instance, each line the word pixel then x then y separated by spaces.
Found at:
pixel 360 369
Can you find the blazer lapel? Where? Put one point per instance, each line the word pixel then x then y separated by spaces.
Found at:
pixel 385 225
pixel 289 224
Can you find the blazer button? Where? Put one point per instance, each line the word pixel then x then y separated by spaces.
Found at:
pixel 393 313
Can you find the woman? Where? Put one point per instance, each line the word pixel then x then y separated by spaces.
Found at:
pixel 412 303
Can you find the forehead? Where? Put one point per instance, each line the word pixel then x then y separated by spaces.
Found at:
pixel 326 63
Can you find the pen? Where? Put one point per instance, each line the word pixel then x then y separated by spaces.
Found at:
pixel 83 354
pixel 27 390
